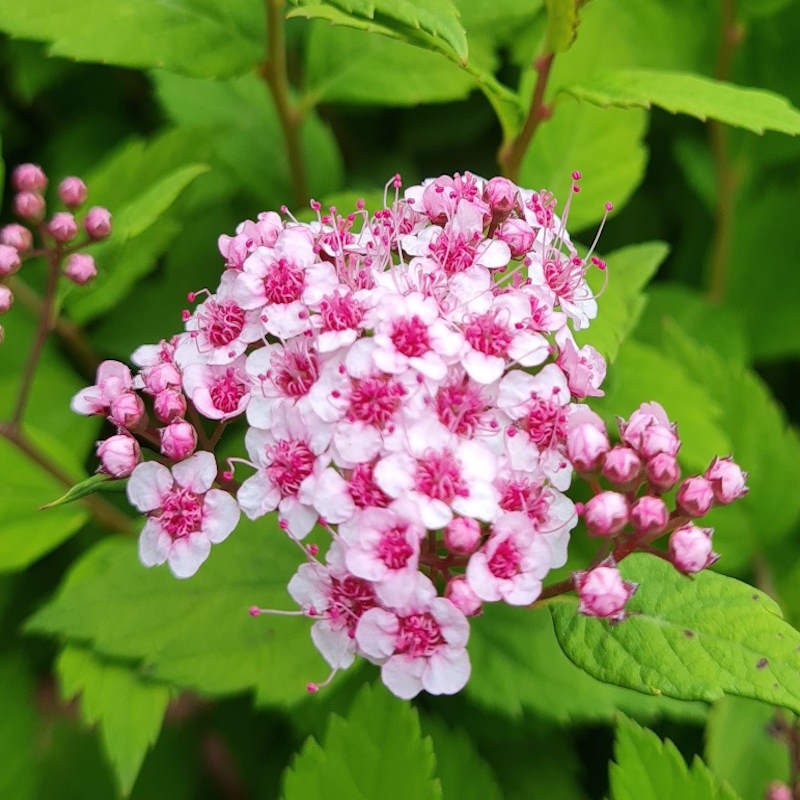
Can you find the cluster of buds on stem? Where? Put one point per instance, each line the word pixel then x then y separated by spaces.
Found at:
pixel 413 389
pixel 58 239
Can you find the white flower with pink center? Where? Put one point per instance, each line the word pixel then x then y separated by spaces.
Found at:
pixel 337 600
pixel 421 645
pixel 511 564
pixel 218 391
pixel 441 474
pixel 383 547
pixel 219 329
pixel 565 275
pixel 409 332
pixel 585 368
pixel 285 455
pixel 185 515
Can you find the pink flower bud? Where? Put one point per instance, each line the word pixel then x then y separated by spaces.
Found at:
pixel 178 440
pixel 646 415
pixel 501 195
pixel 29 178
pixel 727 479
pixel 602 592
pixel 29 206
pixel 169 405
pixel 649 514
pixel 80 268
pixel 586 446
pixel 161 376
pixel 662 471
pixel 621 466
pixel 462 535
pixel 118 455
pixel 461 595
pixel 658 439
pixel 97 222
pixel 690 548
pixel 62 226
pixel 6 299
pixel 127 410
pixel 9 260
pixel 777 790
pixel 72 191
pixel 17 236
pixel 695 496
pixel 518 235
pixel 606 513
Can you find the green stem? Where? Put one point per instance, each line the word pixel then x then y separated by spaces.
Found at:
pixel 511 154
pixel 275 74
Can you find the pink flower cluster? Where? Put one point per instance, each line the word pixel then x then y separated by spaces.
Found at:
pixel 56 236
pixel 411 385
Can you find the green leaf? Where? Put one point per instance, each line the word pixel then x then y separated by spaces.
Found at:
pixel 517 666
pixel 606 146
pixel 347 65
pixel 691 638
pixel 648 769
pixel 740 748
pixel 18 729
pixel 685 93
pixel 194 633
pixel 762 442
pixel 562 24
pixel 95 483
pixel 195 37
pixel 129 710
pixel 377 751
pixel 139 184
pixel 454 751
pixel 249 146
pixel 431 23
pixel 622 300
pixel 26 533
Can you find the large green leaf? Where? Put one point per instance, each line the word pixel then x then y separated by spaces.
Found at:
pixel 352 66
pixel 646 768
pixel 128 709
pixel 685 93
pixel 377 751
pixel 194 633
pixel 622 300
pixel 195 37
pixel 246 137
pixel 691 638
pixel 517 666
pixel 740 748
pixel 429 23
pixel 18 725
pixel 607 148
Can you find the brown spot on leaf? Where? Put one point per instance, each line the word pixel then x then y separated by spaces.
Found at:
pixel 688 634
pixel 756 597
pixel 762 662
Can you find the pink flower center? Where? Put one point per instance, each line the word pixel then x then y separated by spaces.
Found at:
pixel 363 489
pixel 439 477
pixel 222 322
pixel 350 597
pixel 460 407
pixel 504 562
pixel 410 337
pixel 294 372
pixel 291 462
pixel 454 253
pixel 283 283
pixel 564 275
pixel 394 549
pixel 419 636
pixel 542 207
pixel 546 423
pixel 340 313
pixel 527 496
pixel 181 512
pixel 374 400
pixel 227 390
pixel 486 335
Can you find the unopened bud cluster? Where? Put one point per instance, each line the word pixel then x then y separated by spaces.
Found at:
pixel 411 385
pixel 57 239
